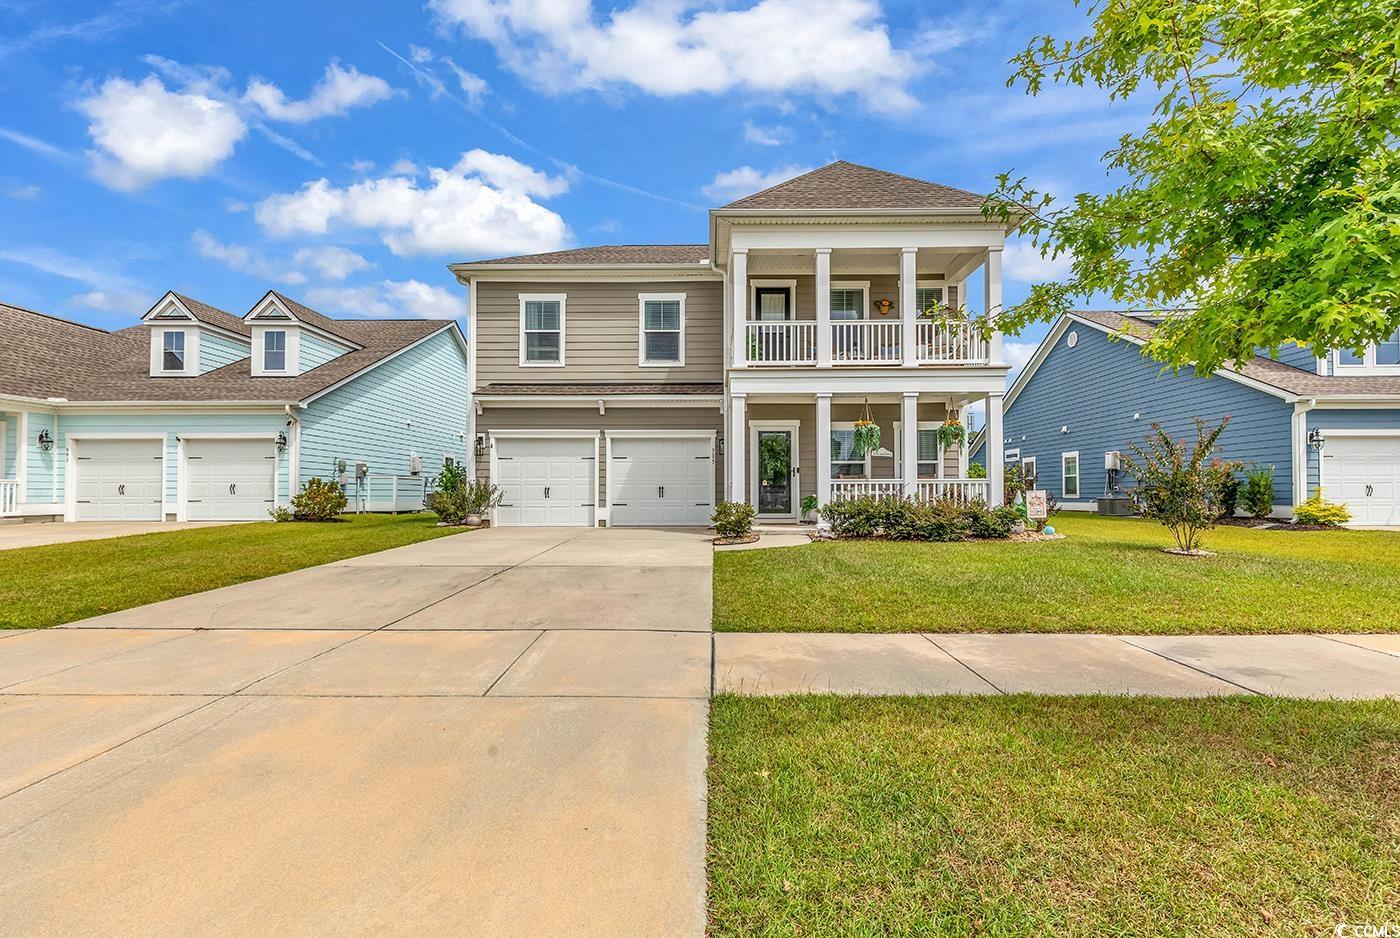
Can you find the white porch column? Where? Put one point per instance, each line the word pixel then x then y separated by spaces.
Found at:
pixel 739 278
pixel 908 283
pixel 823 287
pixel 991 271
pixel 737 440
pixel 965 450
pixel 996 462
pixel 823 467
pixel 909 442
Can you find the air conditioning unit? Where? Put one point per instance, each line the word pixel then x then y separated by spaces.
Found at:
pixel 1112 460
pixel 415 465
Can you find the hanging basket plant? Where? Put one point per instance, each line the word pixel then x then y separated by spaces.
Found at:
pixel 951 433
pixel 866 438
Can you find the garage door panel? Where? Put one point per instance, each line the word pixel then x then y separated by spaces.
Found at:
pixel 230 480
pixel 546 480
pixel 662 481
pixel 119 480
pixel 1363 472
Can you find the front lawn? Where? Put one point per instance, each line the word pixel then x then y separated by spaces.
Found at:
pixel 1108 575
pixel 50 585
pixel 1047 816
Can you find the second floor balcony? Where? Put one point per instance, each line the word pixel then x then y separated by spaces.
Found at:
pixel 868 342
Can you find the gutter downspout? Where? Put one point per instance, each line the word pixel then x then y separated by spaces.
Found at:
pixel 293 451
pixel 727 352
pixel 1301 458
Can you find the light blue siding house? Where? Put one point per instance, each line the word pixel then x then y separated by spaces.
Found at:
pixel 1088 393
pixel 198 414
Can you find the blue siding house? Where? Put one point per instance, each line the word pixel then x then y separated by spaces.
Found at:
pixel 1088 393
pixel 197 414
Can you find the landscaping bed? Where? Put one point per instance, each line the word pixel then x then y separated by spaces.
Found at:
pixel 1034 815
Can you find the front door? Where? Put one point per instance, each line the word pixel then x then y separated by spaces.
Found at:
pixel 774 477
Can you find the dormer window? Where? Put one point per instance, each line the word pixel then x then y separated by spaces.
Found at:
pixel 1382 358
pixel 173 350
pixel 275 350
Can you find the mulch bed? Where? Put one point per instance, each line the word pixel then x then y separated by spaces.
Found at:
pixel 726 541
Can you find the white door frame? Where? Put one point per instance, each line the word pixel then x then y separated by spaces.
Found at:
pixel 182 470
pixel 795 479
pixel 70 466
pixel 595 435
pixel 610 435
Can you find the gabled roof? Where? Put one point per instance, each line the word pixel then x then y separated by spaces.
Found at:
pixel 605 255
pixel 307 315
pixel 843 185
pixel 212 315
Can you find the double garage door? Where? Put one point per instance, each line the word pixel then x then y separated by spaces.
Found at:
pixel 124 480
pixel 651 481
pixel 1363 472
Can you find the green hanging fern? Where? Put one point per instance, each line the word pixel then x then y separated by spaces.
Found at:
pixel 866 437
pixel 951 433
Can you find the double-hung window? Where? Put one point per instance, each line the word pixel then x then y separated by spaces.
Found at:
pixel 172 356
pixel 847 302
pixel 1028 471
pixel 845 464
pixel 542 329
pixel 1069 474
pixel 275 350
pixel 663 329
pixel 928 455
pixel 927 298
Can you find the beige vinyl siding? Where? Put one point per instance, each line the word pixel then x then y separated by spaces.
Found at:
pixel 882 286
pixel 602 333
pixel 588 418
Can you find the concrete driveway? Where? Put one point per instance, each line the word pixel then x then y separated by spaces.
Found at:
pixel 37 534
pixel 496 733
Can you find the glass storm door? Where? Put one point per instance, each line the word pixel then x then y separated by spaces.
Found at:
pixel 775 472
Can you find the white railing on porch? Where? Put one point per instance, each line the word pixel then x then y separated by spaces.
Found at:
pixel 952 342
pixel 961 491
pixel 842 489
pixel 782 343
pixel 9 497
pixel 867 342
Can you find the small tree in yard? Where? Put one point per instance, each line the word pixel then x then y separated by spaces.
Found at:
pixel 1178 488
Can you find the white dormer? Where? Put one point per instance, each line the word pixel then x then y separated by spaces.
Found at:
pixel 285 344
pixel 174 339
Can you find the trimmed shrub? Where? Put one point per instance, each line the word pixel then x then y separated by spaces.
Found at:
pixel 907 519
pixel 1318 511
pixel 853 517
pixel 975 470
pixel 1258 491
pixel 318 500
pixel 733 519
pixel 990 522
pixel 1228 495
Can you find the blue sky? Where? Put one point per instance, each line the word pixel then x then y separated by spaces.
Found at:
pixel 346 152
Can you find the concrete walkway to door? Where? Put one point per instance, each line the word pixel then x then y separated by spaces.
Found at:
pixel 500 732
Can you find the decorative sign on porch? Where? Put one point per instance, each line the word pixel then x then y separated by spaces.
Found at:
pixel 1035 504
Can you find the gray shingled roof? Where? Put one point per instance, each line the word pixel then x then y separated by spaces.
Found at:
pixel 43 356
pixel 608 255
pixel 600 388
pixel 213 316
pixel 843 185
pixel 312 318
pixel 1266 370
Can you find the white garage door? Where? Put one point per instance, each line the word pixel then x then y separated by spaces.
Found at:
pixel 1363 472
pixel 546 481
pixel 118 480
pixel 230 480
pixel 661 481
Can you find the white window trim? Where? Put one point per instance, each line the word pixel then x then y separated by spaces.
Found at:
pixel 286 359
pixel 291 349
pixel 899 449
pixel 1078 471
pixel 939 285
pixel 642 300
pixel 789 285
pixel 561 299
pixel 864 287
pixel 1034 471
pixel 158 369
pixel 851 425
pixel 1367 366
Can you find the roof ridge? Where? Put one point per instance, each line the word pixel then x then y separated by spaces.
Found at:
pixel 65 321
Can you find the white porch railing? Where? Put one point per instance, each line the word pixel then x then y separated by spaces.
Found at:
pixel 961 491
pixel 867 342
pixel 842 489
pixel 950 342
pixel 782 343
pixel 9 497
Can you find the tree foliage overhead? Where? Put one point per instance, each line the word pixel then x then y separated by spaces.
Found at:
pixel 1260 204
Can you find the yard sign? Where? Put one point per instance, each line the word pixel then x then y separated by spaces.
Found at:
pixel 1035 504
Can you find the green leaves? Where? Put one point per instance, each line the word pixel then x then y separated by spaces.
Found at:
pixel 1261 202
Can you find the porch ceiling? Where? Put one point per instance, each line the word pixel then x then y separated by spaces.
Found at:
pixel 932 263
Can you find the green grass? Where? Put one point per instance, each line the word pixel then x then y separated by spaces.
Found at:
pixel 1108 575
pixel 50 585
pixel 1050 816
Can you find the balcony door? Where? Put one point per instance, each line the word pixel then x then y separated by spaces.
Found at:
pixel 772 304
pixel 773 476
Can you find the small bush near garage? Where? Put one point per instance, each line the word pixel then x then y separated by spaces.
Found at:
pixel 457 498
pixel 907 519
pixel 318 500
pixel 1258 491
pixel 733 519
pixel 1318 512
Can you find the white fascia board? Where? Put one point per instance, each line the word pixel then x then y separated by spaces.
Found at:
pixel 167 298
pixel 591 400
pixel 388 358
pixel 974 382
pixel 1358 401
pixel 159 407
pixel 554 273
pixel 868 238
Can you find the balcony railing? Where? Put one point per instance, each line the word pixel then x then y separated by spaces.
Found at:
pixel 9 497
pixel 866 342
pixel 960 491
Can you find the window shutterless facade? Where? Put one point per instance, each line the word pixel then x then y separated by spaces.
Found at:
pixel 173 351
pixel 275 350
pixel 542 329
pixel 848 301
pixel 845 464
pixel 662 329
pixel 1069 475
pixel 1029 471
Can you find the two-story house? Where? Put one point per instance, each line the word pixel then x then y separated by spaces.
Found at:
pixel 197 414
pixel 639 384
pixel 1088 393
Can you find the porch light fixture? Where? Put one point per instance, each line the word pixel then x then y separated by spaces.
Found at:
pixel 45 440
pixel 281 442
pixel 1315 438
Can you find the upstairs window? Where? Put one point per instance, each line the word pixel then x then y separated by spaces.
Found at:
pixel 847 303
pixel 928 298
pixel 663 329
pixel 1383 357
pixel 172 356
pixel 275 350
pixel 542 329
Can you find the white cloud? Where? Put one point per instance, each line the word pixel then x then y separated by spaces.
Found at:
pixel 26 193
pixel 840 47
pixel 332 263
pixel 134 302
pixel 243 259
pixel 1022 262
pixel 390 299
pixel 1017 354
pixel 108 284
pixel 145 132
pixel 338 91
pixel 404 167
pixel 483 204
pixel 34 144
pixel 764 136
pixel 726 187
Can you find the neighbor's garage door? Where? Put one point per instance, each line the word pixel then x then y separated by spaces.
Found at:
pixel 546 481
pixel 1364 473
pixel 661 481
pixel 118 480
pixel 230 480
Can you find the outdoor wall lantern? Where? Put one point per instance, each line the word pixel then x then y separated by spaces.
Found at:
pixel 281 441
pixel 45 440
pixel 1315 438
